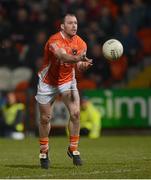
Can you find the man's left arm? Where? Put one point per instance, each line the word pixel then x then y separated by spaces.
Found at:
pixel 87 63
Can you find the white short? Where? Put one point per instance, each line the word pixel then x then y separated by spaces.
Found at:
pixel 47 93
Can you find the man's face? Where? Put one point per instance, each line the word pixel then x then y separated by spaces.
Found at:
pixel 70 25
pixel 84 104
pixel 11 98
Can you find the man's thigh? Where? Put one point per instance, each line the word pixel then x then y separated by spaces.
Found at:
pixel 71 100
pixel 45 109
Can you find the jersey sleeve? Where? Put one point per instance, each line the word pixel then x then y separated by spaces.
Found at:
pixel 54 45
pixel 82 46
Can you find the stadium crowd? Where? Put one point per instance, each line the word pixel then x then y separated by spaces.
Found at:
pixel 25 26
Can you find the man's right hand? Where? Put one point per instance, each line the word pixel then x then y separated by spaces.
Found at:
pixel 83 58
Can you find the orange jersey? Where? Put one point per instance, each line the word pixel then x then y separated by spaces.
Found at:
pixel 53 71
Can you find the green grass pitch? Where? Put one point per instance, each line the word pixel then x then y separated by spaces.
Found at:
pixel 114 157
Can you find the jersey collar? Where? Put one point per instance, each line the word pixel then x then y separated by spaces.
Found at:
pixel 69 40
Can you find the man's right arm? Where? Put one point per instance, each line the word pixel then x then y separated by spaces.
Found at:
pixel 61 54
pixel 67 58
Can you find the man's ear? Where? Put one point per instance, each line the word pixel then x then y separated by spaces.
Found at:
pixel 62 26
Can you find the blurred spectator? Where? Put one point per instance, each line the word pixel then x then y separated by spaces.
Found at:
pixel 74 5
pixel 38 17
pixel 96 30
pixel 148 17
pixel 12 117
pixel 54 13
pixel 126 17
pixel 21 27
pixel 106 21
pixel 118 68
pixel 100 72
pixel 8 54
pixel 5 28
pixel 82 21
pixel 93 9
pixel 18 4
pixel 131 44
pixel 35 53
pixel 90 119
pixel 138 13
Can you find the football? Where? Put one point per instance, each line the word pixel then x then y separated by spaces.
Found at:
pixel 112 49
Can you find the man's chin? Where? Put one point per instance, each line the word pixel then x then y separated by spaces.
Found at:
pixel 73 34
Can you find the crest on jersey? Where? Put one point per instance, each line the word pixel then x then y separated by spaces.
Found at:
pixel 74 51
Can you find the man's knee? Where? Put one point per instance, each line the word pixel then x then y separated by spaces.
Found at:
pixel 45 119
pixel 75 115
